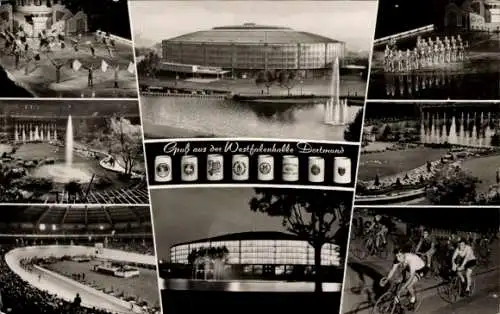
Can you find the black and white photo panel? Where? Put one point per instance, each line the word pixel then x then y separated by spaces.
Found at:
pixel 66 49
pixel 77 259
pixel 79 151
pixel 248 162
pixel 225 69
pixel 432 153
pixel 436 49
pixel 262 249
pixel 451 254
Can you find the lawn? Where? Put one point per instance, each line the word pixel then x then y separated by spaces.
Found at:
pixel 393 162
pixel 144 287
pixel 485 169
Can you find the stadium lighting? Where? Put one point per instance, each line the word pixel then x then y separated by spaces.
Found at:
pixel 42 227
pixel 54 227
pixel 101 227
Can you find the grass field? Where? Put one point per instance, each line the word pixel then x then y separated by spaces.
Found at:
pixel 485 169
pixel 144 287
pixel 393 162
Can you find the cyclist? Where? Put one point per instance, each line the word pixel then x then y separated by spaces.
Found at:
pixel 379 228
pixel 426 246
pixel 464 260
pixel 414 267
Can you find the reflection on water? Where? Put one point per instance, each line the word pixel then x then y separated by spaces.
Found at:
pixel 229 118
pixel 435 85
pixel 247 285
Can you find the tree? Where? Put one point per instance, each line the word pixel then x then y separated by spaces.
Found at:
pixel 287 79
pixel 315 216
pixel 452 186
pixel 208 257
pixel 386 133
pixel 266 78
pixel 74 189
pixel 149 65
pixel 353 131
pixel 495 140
pixel 125 143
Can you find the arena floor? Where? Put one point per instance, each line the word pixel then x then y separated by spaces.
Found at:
pixel 393 162
pixel 144 287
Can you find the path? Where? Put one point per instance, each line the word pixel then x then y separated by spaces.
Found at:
pixel 355 300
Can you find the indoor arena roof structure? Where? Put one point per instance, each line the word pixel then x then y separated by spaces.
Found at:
pixel 250 33
pixel 75 214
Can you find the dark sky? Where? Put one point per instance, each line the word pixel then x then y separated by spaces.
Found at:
pixel 459 218
pixel 395 16
pixel 188 214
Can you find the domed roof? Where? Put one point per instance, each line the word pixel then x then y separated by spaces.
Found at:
pixel 250 33
pixel 250 235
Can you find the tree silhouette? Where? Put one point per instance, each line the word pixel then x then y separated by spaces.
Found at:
pixel 353 131
pixel 148 67
pixel 74 189
pixel 266 78
pixel 315 216
pixel 207 257
pixel 125 142
pixel 495 140
pixel 287 79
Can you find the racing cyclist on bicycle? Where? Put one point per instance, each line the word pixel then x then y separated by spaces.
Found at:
pixel 415 269
pixel 379 229
pixel 426 246
pixel 464 260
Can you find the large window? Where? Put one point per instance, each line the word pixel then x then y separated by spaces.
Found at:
pixel 263 252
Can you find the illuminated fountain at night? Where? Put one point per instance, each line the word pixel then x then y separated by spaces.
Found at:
pixel 67 171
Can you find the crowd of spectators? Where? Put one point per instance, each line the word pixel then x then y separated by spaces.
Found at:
pixel 19 297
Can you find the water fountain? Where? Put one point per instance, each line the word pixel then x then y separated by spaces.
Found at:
pixel 69 143
pixel 452 139
pixel 336 110
pixel 67 171
pixel 474 131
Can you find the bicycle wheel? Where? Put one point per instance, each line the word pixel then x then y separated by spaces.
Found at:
pixel 455 290
pixel 443 292
pixel 385 304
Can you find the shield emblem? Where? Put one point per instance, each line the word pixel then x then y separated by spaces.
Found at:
pixel 265 168
pixel 341 171
pixel 162 170
pixel 189 169
pixel 239 168
pixel 315 170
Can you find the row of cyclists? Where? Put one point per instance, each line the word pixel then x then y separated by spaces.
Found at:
pixel 425 53
pixel 416 263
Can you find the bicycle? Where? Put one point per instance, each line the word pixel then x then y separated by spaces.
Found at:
pixel 454 289
pixel 369 247
pixel 390 303
pixel 435 269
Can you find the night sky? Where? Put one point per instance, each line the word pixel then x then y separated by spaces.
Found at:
pixel 459 218
pixel 107 15
pixel 395 16
pixel 182 215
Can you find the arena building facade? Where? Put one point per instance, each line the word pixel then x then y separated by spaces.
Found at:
pixel 250 48
pixel 268 254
